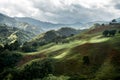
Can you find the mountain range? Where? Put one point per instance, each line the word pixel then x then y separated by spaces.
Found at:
pixel 37 26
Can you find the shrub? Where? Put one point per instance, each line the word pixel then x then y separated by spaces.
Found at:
pixel 12 46
pixel 86 60
pixel 52 77
pixel 105 33
pixel 118 31
pixel 27 48
pixel 112 32
pixel 109 33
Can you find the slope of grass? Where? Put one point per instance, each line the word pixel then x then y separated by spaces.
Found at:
pixel 103 53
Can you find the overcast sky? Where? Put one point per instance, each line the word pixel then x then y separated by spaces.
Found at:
pixel 62 11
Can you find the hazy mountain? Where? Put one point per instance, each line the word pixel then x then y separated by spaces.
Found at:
pixel 22 25
pixel 37 26
pixel 4 19
pixel 44 25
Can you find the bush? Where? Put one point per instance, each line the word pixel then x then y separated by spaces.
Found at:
pixel 112 32
pixel 109 33
pixel 12 46
pixel 106 33
pixel 118 31
pixel 86 60
pixel 27 48
pixel 52 77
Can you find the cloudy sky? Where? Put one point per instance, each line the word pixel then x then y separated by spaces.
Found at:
pixel 62 11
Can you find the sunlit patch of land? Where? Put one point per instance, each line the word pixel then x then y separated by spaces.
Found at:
pixel 98 39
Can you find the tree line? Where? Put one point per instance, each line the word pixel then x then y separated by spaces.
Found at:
pixel 108 33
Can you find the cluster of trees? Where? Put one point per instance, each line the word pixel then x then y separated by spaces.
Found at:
pixel 11 47
pixel 107 33
pixel 114 22
pixel 26 47
pixel 61 39
pixel 9 59
pixel 36 70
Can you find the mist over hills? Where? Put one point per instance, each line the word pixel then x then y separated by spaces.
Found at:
pixel 37 26
pixel 9 21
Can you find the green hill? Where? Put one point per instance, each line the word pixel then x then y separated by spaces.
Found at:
pixel 88 56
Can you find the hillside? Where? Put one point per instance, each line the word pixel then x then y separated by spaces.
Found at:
pixel 54 36
pixel 88 56
pixel 9 34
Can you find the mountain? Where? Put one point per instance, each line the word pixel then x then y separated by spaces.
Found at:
pixel 4 19
pixel 46 26
pixel 66 31
pixel 9 21
pixel 10 34
pixel 37 26
pixel 52 34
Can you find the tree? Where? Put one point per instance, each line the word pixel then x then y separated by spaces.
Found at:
pixel 12 46
pixel 72 35
pixel 112 32
pixel 114 20
pixel 105 33
pixel 103 24
pixel 27 48
pixel 118 31
pixel 35 44
pixel 86 60
pixel 1 48
pixel 109 32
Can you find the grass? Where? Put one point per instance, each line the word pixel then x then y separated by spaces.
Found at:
pixel 69 56
pixel 51 48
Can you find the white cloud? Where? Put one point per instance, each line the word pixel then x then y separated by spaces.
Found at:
pixel 62 11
